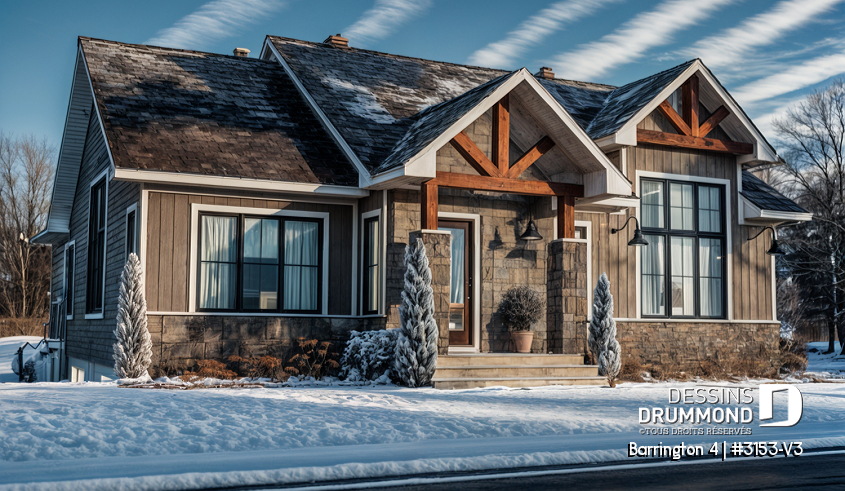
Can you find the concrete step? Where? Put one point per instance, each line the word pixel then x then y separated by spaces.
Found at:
pixel 520 371
pixel 466 383
pixel 507 359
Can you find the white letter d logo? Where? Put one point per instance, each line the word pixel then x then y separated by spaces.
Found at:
pixel 795 408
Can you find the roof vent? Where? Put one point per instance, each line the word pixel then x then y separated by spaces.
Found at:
pixel 241 52
pixel 546 73
pixel 337 41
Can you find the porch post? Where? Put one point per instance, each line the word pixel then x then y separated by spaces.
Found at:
pixel 566 296
pixel 428 205
pixel 565 217
pixel 438 249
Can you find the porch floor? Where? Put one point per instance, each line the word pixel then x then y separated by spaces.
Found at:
pixel 469 370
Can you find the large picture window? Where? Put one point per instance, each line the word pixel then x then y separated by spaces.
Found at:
pixel 683 267
pixel 246 261
pixel 96 247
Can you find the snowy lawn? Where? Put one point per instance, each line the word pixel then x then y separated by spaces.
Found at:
pixel 140 439
pixel 829 366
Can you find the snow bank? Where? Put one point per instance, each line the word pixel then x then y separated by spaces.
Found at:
pixel 829 366
pixel 9 352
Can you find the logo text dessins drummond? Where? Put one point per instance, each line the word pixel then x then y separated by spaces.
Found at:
pixel 695 406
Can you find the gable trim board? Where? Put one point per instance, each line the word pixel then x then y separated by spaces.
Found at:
pixel 638 174
pixel 363 173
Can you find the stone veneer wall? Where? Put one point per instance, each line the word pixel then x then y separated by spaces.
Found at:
pixel 180 340
pixel 506 261
pixel 685 344
pixel 566 297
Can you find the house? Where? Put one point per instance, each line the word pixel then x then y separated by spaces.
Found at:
pixel 271 199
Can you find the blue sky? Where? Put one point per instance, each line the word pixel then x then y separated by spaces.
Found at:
pixel 769 54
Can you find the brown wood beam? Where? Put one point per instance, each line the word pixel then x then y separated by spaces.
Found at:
pixel 501 134
pixel 673 140
pixel 474 156
pixel 713 121
pixel 674 118
pixel 428 205
pixel 541 147
pixel 689 92
pixel 566 217
pixel 506 185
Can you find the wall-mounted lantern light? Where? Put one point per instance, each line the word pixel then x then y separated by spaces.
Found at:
pixel 775 249
pixel 531 232
pixel 637 239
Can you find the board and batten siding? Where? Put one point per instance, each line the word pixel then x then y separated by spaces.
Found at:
pixel 169 242
pixel 751 277
pixel 92 339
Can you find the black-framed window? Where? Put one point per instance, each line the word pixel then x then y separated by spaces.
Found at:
pixel 371 265
pixel 259 264
pixel 683 269
pixel 96 247
pixel 70 271
pixel 131 227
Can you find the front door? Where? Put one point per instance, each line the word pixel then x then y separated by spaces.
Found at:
pixel 460 296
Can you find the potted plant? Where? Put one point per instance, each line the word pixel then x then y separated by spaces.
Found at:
pixel 519 309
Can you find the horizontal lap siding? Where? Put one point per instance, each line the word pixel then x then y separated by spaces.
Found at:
pixel 92 339
pixel 169 247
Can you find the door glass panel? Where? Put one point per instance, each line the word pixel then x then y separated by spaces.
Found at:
pixel 683 276
pixel 458 265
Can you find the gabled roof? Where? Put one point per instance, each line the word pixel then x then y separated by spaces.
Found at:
pixel 200 113
pixel 766 197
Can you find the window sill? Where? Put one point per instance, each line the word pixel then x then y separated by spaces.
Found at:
pixel 658 320
pixel 98 315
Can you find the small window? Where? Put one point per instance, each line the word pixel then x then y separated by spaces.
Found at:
pixel 371 265
pixel 131 233
pixel 96 247
pixel 70 268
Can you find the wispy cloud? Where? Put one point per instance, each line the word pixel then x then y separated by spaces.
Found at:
pixel 532 31
pixel 634 38
pixel 214 21
pixel 794 77
pixel 383 19
pixel 729 47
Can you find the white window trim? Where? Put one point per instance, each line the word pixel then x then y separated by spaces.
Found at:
pixel 130 209
pixel 476 284
pixel 382 228
pixel 196 208
pixel 104 175
pixel 68 301
pixel 639 175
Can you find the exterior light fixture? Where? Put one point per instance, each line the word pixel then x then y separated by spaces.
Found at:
pixel 775 249
pixel 638 239
pixel 531 232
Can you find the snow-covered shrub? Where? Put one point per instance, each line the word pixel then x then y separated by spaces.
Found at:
pixel 416 343
pixel 521 307
pixel 314 360
pixel 29 372
pixel 133 348
pixel 602 339
pixel 369 355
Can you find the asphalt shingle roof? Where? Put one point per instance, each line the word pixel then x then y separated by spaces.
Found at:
pixel 201 113
pixel 766 197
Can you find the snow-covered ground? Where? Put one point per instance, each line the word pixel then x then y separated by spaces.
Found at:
pixel 91 436
pixel 8 350
pixel 829 366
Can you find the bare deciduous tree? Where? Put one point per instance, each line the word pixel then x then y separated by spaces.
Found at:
pixel 812 137
pixel 26 171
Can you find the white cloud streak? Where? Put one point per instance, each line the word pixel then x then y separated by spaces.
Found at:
pixel 534 30
pixel 214 21
pixel 634 38
pixel 794 77
pixel 383 20
pixel 730 46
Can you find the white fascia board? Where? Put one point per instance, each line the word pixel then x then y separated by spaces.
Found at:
pixel 263 185
pixel 363 172
pixel 762 150
pixel 750 211
pixel 97 108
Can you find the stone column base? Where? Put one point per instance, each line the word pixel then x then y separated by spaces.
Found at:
pixel 566 296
